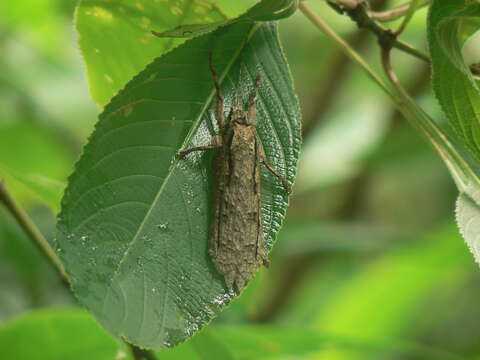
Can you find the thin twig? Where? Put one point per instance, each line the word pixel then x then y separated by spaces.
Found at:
pixel 29 227
pixel 398 12
pixel 401 45
pixel 361 16
pixel 408 16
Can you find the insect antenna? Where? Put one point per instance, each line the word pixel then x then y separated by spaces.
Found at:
pixel 218 92
pixel 253 96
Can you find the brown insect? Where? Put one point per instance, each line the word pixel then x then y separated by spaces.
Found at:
pixel 237 244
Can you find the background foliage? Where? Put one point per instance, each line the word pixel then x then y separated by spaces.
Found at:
pixel 368 265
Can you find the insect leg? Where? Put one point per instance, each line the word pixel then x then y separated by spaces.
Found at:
pixel 218 90
pixel 185 152
pixel 278 175
pixel 274 171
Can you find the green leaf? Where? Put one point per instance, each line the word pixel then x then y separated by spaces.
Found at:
pixel 135 219
pixel 265 10
pixel 58 334
pixel 33 169
pixel 39 22
pixel 116 40
pixel 34 187
pixel 453 83
pixel 450 24
pixel 468 219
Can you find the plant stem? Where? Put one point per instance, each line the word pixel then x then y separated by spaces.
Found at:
pixel 405 47
pixel 408 16
pixel 30 229
pixel 398 12
pixel 460 169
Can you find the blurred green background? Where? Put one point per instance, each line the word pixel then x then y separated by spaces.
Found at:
pixel 369 263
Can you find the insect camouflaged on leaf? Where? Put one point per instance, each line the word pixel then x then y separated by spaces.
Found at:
pixel 237 244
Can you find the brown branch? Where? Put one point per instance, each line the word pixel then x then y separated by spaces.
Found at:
pixel 362 17
pixel 396 13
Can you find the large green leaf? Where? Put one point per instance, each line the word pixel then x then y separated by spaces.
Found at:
pixel 116 39
pixel 135 219
pixel 459 95
pixel 58 334
pixel 454 85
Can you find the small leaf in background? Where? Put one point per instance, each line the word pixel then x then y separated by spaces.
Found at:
pixel 116 40
pixel 58 334
pixel 266 10
pixel 32 177
pixel 38 20
pixel 135 219
pixel 468 219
